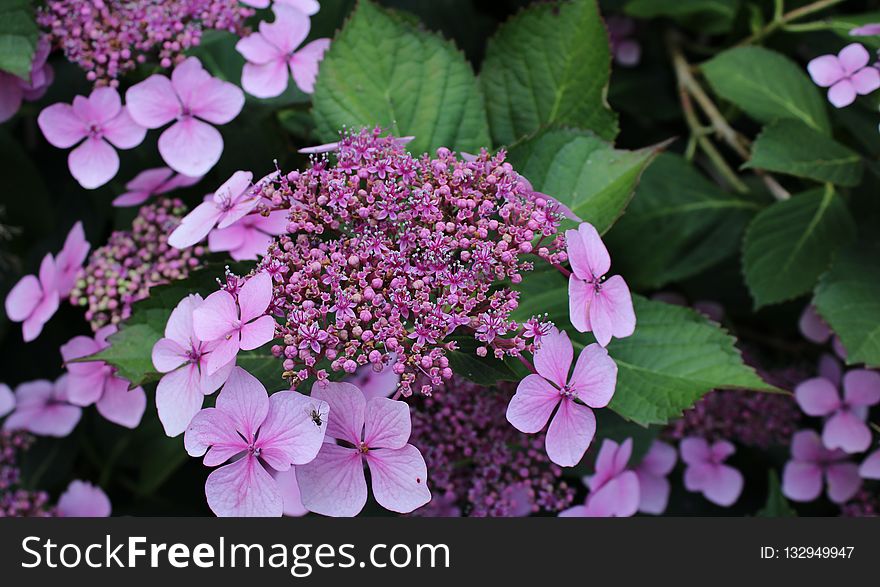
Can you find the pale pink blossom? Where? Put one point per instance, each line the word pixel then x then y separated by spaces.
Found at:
pixel 43 408
pixel 14 89
pixel 652 472
pixel 598 305
pixel 96 382
pixel 81 499
pixel 614 489
pixel 706 472
pixel 376 432
pixel 97 124
pixel 183 358
pixel 191 99
pixel 249 237
pixel 290 495
pixel 277 431
pixel 846 74
pixel 374 383
pixel 34 300
pixel 71 258
pixel 810 463
pixel 153 182
pixel 235 326
pixel 591 385
pixel 7 400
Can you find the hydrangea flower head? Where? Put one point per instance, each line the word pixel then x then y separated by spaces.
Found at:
pixel 13 89
pixel 813 465
pixel 33 300
pixel 614 490
pixel 43 408
pixel 81 499
pixel 153 182
pixel 846 74
pixel 706 472
pixel 551 389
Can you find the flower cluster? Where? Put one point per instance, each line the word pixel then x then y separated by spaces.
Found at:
pixel 15 501
pixel 108 38
pixel 123 271
pixel 480 465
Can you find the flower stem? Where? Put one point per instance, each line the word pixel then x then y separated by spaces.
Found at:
pixel 782 20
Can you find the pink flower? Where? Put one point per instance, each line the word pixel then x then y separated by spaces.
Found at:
pixel 249 237
pixel 866 30
pixel 308 7
pixel 83 500
pixel 847 73
pixel 652 472
pixel 33 301
pixel 97 124
pixel 845 427
pixel 95 382
pixel 626 50
pixel 234 326
pixel 290 495
pixel 614 490
pixel 869 469
pixel 374 383
pixel 596 304
pixel 810 462
pixel 272 51
pixel 706 472
pixel 184 358
pixel 376 431
pixel 538 395
pixel 43 408
pixel 153 182
pixel 233 200
pixel 192 96
pixel 277 431
pixel 70 260
pixel 7 400
pixel 13 89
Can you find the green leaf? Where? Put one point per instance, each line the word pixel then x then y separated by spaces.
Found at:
pixel 848 299
pixel 381 69
pixel 791 243
pixel 706 16
pixel 678 224
pixel 788 146
pixel 595 180
pixel 549 64
pixel 130 351
pixel 767 86
pixel 18 37
pixel 777 506
pixel 486 371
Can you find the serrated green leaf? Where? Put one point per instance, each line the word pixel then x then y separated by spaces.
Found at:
pixel 18 37
pixel 383 70
pixel 549 64
pixel 595 180
pixel 789 146
pixel 678 224
pixel 848 299
pixel 706 16
pixel 791 243
pixel 767 86
pixel 130 351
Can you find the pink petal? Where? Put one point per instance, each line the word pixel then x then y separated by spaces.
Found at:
pixel 252 244
pixel 223 353
pixel 178 399
pixel 214 317
pixel 388 423
pixel 373 384
pixel 218 102
pixel 580 296
pixel 288 30
pixel 37 411
pixel 131 199
pixel 605 469
pixel 846 431
pixel 257 333
pixel 102 105
pixel 11 94
pixel 399 478
pixel 7 400
pixel 861 387
pixel 149 180
pixel 553 359
pixel 653 493
pixel 177 182
pixel 720 484
pixel 594 377
pixel 245 401
pixel 121 405
pixel 570 433
pixel 265 80
pixel 307 7
pixel 826 70
pixel 853 57
pixel 347 409
pixel 86 380
pixel 304 64
pixel 869 469
pixel 577 511
pixel 227 239
pixel 830 369
pixel 209 383
pixel 812 327
pixel 587 254
pixel 843 481
pixel 179 327
pixel 611 312
pixel 721 450
pixel 801 481
pixel 212 433
pixel 290 435
pixel 190 146
pixel 660 459
pixel 195 226
pixel 807 446
pixel 866 80
pixel 23 299
pixel 168 355
pixel 866 30
pixel 93 163
pixel 243 489
pixel 256 49
pixel 237 190
pixel 695 451
pixel 153 102
pixel 123 132
pixel 290 495
pixel 255 296
pixel 841 94
pixel 71 258
pixel 334 483
pixel 619 498
pixel 817 397
pixel 61 126
pixel 83 500
pixel 531 406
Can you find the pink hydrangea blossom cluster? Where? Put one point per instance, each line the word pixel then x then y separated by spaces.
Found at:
pixel 123 271
pixel 108 38
pixel 505 473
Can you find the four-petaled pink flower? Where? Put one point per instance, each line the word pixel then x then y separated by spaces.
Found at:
pixel 95 382
pixel 81 499
pixel 192 96
pixel 71 258
pixel 43 408
pixel 153 182
pixel 233 327
pixel 706 472
pixel 614 490
pixel 652 472
pixel 14 89
pixel 32 301
pixel 249 237
pixel 603 307
pixel 278 431
pixel 845 427
pixel 847 74
pixel 272 50
pixel 97 124
pixel 183 358
pixel 376 431
pixel 810 462
pixel 538 395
